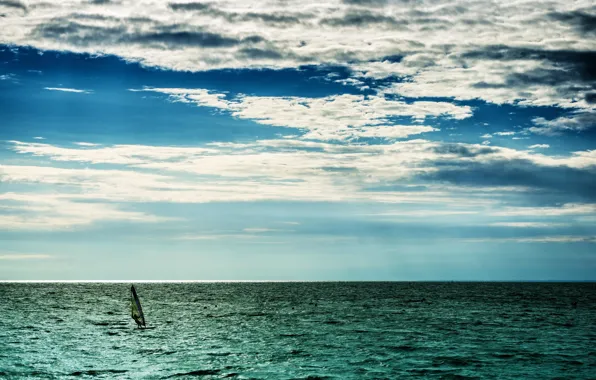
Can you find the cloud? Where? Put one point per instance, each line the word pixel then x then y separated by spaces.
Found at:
pixel 64 89
pixel 519 172
pixel 528 224
pixel 539 146
pixel 435 49
pixel 170 36
pixel 23 256
pixel 272 19
pixel 14 4
pixel 366 3
pixel 293 169
pixel 361 18
pixel 32 211
pixel 576 122
pixel 538 239
pixel 566 209
pixel 426 213
pixel 263 230
pixel 336 117
pixel 10 77
pixel 189 6
pixel 583 22
pixel 218 236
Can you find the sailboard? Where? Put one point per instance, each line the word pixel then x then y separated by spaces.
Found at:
pixel 136 311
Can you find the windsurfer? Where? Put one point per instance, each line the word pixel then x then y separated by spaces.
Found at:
pixel 137 320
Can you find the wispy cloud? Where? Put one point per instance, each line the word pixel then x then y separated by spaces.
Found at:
pixel 263 230
pixel 528 224
pixel 576 122
pixel 65 89
pixel 566 209
pixel 23 256
pixel 86 144
pixel 10 77
pixel 337 117
pixel 32 211
pixel 537 239
pixel 539 146
pixel 293 169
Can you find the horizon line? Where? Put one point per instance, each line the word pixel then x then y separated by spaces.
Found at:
pixel 284 281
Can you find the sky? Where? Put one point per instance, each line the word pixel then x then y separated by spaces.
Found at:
pixel 407 140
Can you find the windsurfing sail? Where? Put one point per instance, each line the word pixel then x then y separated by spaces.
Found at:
pixel 136 310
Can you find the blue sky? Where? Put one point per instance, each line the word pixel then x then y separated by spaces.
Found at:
pixel 349 140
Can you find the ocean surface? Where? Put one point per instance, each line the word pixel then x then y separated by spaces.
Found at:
pixel 325 330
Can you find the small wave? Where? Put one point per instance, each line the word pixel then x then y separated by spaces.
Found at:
pixel 97 372
pixel 299 352
pixel 454 361
pixel 291 335
pixel 503 356
pixel 333 322
pixel 111 333
pixel 231 374
pixel 256 314
pixel 219 353
pixel 100 323
pixel 200 372
pixel 573 362
pixel 403 347
pixel 218 316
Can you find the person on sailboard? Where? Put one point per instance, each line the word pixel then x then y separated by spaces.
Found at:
pixel 137 320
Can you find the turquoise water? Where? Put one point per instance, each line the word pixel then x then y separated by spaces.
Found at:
pixel 300 331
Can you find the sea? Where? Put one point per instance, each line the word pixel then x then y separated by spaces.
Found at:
pixel 299 330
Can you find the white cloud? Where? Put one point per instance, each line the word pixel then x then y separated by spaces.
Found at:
pixel 438 50
pixel 86 144
pixel 64 89
pixel 528 224
pixel 577 122
pixel 426 213
pixel 539 146
pixel 566 209
pixel 506 133
pixel 23 256
pixel 218 236
pixel 263 229
pixel 39 138
pixel 442 50
pixel 284 169
pixel 538 239
pixel 336 117
pixel 34 211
